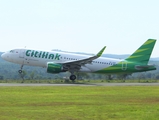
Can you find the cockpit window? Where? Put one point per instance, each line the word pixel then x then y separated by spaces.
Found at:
pixel 11 51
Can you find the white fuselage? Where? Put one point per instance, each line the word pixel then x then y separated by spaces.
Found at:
pixel 41 58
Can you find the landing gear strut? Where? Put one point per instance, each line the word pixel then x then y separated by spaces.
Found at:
pixel 20 71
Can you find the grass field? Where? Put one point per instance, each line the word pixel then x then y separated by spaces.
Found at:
pixel 79 103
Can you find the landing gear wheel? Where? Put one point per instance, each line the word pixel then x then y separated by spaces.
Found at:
pixel 20 71
pixel 72 77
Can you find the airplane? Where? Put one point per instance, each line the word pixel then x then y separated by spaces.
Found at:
pixel 56 61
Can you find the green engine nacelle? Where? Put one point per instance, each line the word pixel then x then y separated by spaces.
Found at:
pixel 54 68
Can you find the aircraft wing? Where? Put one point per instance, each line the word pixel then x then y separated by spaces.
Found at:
pixel 76 65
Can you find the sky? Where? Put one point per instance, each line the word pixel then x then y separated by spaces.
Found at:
pixel 79 25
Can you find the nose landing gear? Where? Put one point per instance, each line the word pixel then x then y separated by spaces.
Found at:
pixel 20 71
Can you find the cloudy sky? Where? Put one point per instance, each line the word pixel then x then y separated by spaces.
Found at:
pixel 79 25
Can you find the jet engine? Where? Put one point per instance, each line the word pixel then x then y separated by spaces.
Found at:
pixel 55 68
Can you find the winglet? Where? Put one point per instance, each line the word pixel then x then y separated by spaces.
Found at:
pixel 101 51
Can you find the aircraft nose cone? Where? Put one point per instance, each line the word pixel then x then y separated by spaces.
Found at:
pixel 4 56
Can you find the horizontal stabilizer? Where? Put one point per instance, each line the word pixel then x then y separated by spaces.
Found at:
pixel 144 66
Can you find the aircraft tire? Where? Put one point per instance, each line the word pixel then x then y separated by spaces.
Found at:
pixel 72 77
pixel 20 71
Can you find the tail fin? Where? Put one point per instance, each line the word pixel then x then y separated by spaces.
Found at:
pixel 143 53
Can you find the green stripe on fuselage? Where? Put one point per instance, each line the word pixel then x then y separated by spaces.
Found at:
pixel 124 67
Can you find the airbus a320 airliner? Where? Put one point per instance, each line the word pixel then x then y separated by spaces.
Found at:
pixel 56 62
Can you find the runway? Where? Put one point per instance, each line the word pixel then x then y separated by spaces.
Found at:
pixel 81 84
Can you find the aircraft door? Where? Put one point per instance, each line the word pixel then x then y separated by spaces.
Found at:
pixel 21 54
pixel 124 65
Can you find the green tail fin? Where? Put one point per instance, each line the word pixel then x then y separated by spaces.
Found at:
pixel 143 53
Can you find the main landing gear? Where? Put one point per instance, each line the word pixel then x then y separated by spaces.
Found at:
pixel 72 77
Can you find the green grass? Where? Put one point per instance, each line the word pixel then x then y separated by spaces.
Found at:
pixel 79 103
